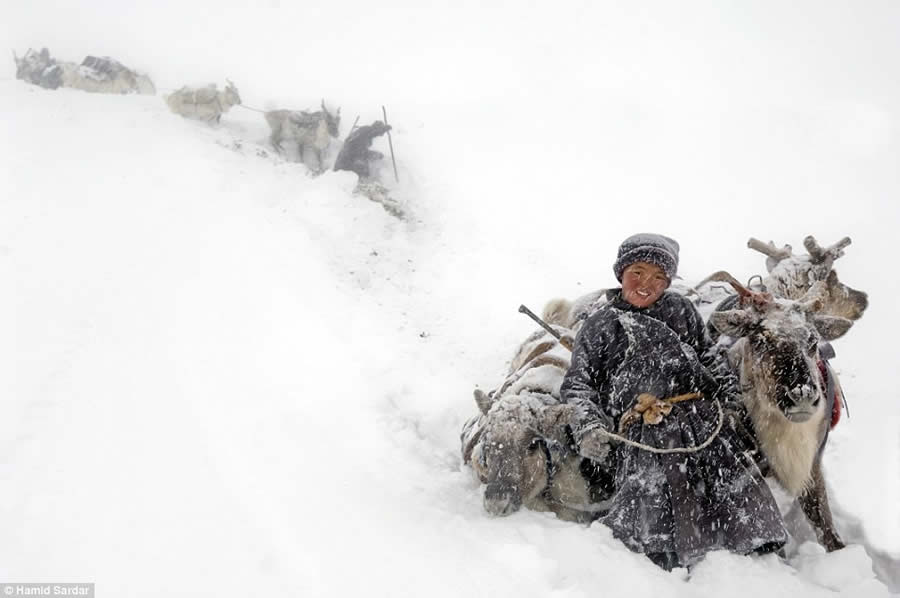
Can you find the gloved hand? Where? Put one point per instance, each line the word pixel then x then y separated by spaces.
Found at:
pixel 737 421
pixel 594 444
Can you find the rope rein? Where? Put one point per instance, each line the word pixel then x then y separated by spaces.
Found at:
pixel 635 411
pixel 663 451
pixel 246 107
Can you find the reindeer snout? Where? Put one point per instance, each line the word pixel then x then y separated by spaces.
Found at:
pixel 805 394
pixel 501 500
pixel 805 400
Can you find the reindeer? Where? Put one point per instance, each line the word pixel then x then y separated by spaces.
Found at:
pixel 791 276
pixel 204 103
pixel 105 75
pixel 777 360
pixel 519 447
pixel 310 130
pixel 94 74
pixel 787 385
pixel 33 68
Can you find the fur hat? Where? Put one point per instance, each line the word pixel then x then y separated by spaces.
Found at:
pixel 648 247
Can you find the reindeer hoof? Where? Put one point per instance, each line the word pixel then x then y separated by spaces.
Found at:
pixel 833 544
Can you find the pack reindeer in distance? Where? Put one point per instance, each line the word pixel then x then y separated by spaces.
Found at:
pixel 95 74
pixel 311 131
pixel 204 103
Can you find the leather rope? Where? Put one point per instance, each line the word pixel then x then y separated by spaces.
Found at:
pixel 662 451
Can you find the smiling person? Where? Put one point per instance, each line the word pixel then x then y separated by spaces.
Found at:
pixel 675 499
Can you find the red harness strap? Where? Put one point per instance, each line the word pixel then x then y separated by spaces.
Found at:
pixel 836 408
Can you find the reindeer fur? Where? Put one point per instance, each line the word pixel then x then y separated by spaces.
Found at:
pixel 115 78
pixel 790 447
pixel 558 311
pixel 520 436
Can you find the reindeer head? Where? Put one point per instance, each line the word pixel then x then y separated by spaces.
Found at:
pixel 332 120
pixel 232 97
pixel 777 353
pixel 512 457
pixel 791 277
pixel 32 65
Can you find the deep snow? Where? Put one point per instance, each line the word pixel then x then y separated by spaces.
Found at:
pixel 224 377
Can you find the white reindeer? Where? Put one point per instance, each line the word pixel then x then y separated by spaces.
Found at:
pixel 788 388
pixel 105 75
pixel 518 445
pixel 311 131
pixel 204 103
pixel 778 363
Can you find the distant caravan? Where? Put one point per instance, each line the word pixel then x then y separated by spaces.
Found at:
pixel 95 74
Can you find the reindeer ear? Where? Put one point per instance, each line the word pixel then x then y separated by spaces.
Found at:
pixel 814 298
pixel 832 327
pixel 734 322
pixel 483 401
pixel 844 301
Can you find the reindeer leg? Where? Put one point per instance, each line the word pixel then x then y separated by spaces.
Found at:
pixel 814 502
pixel 318 154
pixel 275 140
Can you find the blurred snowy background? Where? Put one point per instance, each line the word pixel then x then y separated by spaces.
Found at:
pixel 220 376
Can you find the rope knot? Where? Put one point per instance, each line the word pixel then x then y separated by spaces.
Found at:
pixel 652 409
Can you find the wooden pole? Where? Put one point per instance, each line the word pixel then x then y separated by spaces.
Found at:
pixel 565 342
pixel 391 144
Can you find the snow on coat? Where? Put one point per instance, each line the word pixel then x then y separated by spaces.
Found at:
pixel 685 503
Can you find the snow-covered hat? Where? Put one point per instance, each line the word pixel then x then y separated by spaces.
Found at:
pixel 648 247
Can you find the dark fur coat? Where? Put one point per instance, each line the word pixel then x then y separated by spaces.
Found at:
pixel 683 504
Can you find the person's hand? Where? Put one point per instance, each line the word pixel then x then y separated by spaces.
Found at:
pixel 594 444
pixel 735 419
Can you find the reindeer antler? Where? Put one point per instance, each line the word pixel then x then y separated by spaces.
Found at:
pixel 769 249
pixel 759 300
pixel 723 276
pixel 821 255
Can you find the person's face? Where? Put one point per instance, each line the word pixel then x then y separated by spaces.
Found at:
pixel 643 284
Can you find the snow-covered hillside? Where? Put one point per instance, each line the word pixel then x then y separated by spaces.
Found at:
pixel 222 377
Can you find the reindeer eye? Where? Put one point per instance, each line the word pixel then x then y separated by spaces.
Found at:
pixel 813 345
